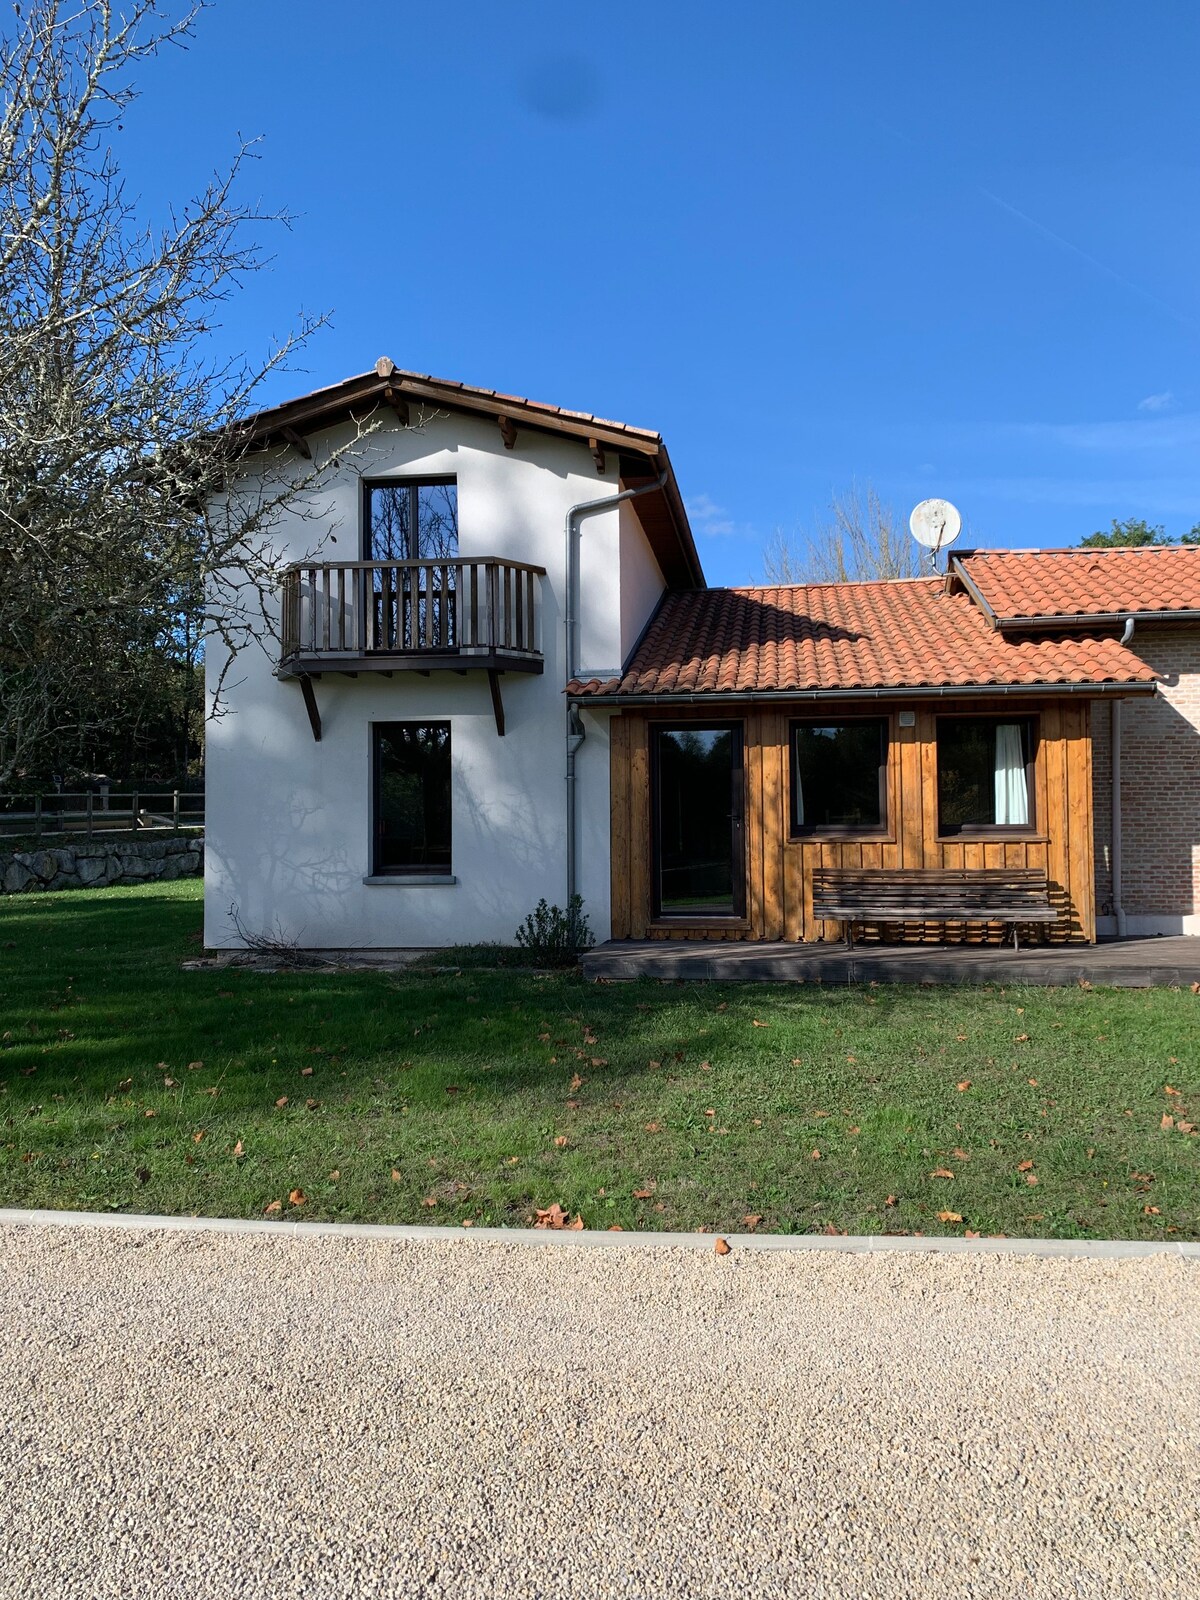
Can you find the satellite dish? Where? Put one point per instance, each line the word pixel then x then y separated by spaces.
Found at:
pixel 935 524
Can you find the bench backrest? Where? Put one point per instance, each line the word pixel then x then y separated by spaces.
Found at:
pixel 907 892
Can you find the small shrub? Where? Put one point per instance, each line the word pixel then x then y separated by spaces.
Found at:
pixel 554 937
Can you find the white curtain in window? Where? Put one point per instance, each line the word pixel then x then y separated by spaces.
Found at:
pixel 1012 794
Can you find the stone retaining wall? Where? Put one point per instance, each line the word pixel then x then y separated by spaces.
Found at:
pixel 93 864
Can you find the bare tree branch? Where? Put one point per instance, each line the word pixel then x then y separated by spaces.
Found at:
pixel 862 540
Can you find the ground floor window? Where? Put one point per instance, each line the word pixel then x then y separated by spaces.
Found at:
pixel 985 773
pixel 839 776
pixel 697 802
pixel 412 797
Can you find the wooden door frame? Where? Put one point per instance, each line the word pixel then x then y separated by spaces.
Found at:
pixel 738 836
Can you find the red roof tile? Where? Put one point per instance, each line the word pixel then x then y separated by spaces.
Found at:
pixel 907 634
pixel 1039 585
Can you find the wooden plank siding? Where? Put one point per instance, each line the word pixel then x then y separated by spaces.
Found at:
pixel 779 869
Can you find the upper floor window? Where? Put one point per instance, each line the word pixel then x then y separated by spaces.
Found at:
pixel 985 773
pixel 839 776
pixel 411 519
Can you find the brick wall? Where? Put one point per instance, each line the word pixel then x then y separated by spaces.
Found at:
pixel 1160 788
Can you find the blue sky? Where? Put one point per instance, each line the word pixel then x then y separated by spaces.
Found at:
pixel 944 248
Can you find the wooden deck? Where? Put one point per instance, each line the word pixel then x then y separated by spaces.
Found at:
pixel 1122 964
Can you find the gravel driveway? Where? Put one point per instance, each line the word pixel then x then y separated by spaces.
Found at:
pixel 202 1415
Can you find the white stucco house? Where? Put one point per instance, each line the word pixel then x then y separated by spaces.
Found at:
pixel 496 675
pixel 409 771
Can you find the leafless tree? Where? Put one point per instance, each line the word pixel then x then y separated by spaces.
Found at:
pixel 862 539
pixel 126 491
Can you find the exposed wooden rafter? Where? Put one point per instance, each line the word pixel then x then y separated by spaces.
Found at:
pixel 508 431
pixel 398 404
pixel 497 703
pixel 597 450
pixel 297 441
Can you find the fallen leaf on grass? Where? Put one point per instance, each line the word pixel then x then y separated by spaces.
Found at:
pixel 297 1197
pixel 125 1083
pixel 281 1102
pixel 1031 1178
pixel 963 1086
pixel 511 1161
pixel 1168 1121
pixel 195 1066
pixel 152 1112
pixel 198 1136
pixel 274 1206
pixel 941 1172
pixel 170 1083
pixel 306 1072
pixel 654 1127
pixel 1024 1166
pixel 720 1246
pixel 816 1156
pixel 949 1216
pixel 970 1233
pixel 644 1194
pixel 576 1083
pixel 239 1150
pixel 757 1024
pixel 1167 1089
pixel 890 1201
pixel 1150 1211
pixel 335 1176
pixel 395 1176
pixel 1022 1038
pixel 561 1141
pixel 1032 1082
pixel 752 1220
pixel 1185 1127
pixel 430 1200
pixel 311 1105
pixel 556 1218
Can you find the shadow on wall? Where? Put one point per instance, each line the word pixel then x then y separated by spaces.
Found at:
pixel 298 849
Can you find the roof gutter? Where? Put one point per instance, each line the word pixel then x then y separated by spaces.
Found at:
pixel 1090 619
pixel 920 692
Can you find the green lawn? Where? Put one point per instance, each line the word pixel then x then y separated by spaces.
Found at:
pixel 126 1083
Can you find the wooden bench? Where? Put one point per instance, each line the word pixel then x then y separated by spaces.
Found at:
pixel 919 894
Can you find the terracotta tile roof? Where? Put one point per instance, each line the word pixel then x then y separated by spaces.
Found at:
pixel 1019 586
pixel 834 637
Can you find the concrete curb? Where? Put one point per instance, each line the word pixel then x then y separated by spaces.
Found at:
pixel 860 1244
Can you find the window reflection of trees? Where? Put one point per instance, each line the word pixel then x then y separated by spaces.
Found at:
pixel 414 521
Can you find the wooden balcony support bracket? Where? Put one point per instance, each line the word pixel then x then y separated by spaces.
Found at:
pixel 597 450
pixel 310 705
pixel 508 431
pixel 497 703
pixel 297 442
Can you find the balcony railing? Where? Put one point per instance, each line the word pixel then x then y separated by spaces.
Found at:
pixel 352 615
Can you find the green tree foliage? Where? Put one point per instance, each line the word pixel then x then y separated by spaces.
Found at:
pixel 1132 534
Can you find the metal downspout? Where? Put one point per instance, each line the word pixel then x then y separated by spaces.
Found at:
pixel 575 729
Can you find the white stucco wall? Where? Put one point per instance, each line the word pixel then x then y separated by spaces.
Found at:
pixel 289 820
pixel 642 582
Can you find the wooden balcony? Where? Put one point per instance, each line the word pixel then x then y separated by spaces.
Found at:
pixel 370 616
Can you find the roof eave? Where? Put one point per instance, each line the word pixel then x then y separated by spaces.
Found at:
pixel 913 691
pixel 1056 622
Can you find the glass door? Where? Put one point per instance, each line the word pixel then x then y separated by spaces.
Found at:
pixel 699 849
pixel 409 521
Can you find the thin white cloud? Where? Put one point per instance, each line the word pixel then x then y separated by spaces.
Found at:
pixel 713 521
pixel 1157 402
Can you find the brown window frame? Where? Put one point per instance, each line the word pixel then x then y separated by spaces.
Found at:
pixel 737 727
pixel 418 869
pixel 880 830
pixel 990 830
